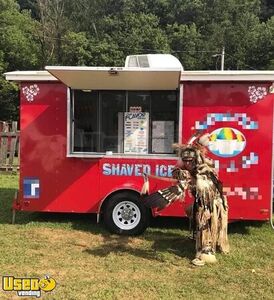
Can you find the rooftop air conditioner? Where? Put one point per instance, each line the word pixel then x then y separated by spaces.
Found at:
pixel 155 61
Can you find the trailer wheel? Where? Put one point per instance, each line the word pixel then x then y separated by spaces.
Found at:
pixel 125 214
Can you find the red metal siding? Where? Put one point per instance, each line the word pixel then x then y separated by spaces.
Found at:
pixel 79 185
pixel 247 175
pixel 66 184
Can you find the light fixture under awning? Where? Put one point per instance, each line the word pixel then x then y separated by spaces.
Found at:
pixel 102 78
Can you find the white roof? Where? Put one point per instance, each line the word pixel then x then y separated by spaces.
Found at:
pixel 104 78
pixel 29 76
pixel 133 78
pixel 227 76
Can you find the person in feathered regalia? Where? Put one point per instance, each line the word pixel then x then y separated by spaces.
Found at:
pixel 209 212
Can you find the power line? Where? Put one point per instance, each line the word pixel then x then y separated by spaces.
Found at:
pixel 94 45
pixel 144 49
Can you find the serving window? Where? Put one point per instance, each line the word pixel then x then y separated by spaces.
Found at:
pixel 130 122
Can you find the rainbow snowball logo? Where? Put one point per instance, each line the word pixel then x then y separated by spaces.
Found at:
pixel 226 142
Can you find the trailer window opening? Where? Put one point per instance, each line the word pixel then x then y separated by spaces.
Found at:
pixel 98 120
pixel 111 104
pixel 85 135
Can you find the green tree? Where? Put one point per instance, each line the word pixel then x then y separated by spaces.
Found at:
pixel 234 25
pixel 267 9
pixel 76 49
pixel 16 37
pixel 193 30
pixel 9 100
pixel 186 43
pixel 135 33
pixel 268 42
pixel 51 29
pixel 18 50
pixel 79 50
pixel 84 15
pixel 115 37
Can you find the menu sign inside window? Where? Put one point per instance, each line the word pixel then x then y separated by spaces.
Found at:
pixel 136 126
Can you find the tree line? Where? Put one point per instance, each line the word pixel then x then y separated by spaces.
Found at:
pixel 36 33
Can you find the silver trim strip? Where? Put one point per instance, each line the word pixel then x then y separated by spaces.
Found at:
pixel 272 164
pixel 70 133
pixel 227 76
pixel 181 100
pixel 122 155
pixel 68 122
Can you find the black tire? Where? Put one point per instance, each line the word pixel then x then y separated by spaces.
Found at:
pixel 125 214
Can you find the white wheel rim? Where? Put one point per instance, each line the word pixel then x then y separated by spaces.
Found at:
pixel 126 215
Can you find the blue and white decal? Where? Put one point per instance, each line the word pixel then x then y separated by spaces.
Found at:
pixel 136 169
pixel 31 187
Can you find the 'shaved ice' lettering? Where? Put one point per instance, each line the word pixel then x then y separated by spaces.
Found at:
pixel 136 170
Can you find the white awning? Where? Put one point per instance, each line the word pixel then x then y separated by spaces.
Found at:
pixel 103 78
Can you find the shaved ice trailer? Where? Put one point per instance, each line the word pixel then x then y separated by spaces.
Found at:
pixel 87 134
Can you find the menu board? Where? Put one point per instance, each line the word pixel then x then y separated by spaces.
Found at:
pixel 136 125
pixel 162 136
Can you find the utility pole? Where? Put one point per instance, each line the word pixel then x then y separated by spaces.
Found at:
pixel 223 59
pixel 222 55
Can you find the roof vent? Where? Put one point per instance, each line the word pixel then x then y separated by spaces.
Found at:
pixel 155 61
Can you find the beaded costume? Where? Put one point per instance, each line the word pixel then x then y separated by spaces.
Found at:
pixel 209 212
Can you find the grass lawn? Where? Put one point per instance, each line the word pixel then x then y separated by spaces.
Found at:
pixel 89 263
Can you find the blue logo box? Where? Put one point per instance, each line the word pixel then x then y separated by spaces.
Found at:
pixel 31 187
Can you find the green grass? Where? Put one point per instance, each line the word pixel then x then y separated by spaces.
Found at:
pixel 89 263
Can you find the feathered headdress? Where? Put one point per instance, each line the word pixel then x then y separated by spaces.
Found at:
pixel 197 143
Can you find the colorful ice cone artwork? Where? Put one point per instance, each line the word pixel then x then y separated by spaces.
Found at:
pixel 226 142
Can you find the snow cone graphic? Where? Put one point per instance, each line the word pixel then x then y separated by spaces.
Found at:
pixel 226 142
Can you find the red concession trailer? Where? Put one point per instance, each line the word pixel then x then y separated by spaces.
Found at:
pixel 88 134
